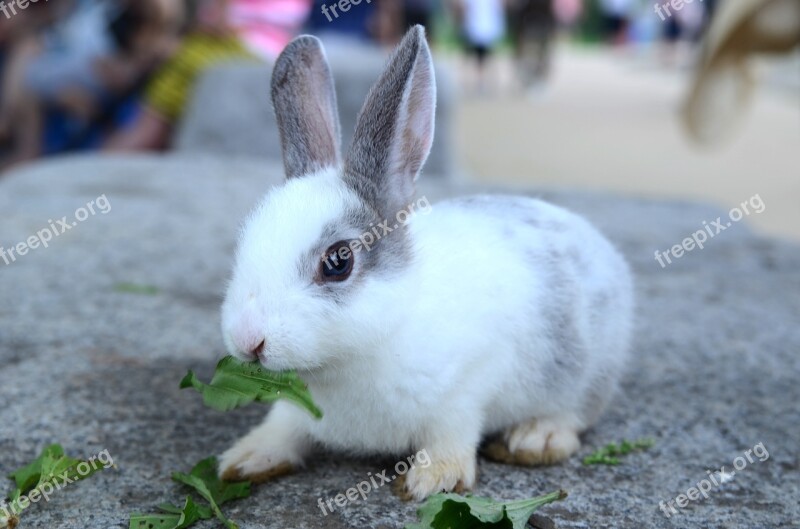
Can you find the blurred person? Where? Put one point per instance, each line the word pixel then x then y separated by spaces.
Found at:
pixel 419 12
pixel 356 25
pixel 567 12
pixel 709 8
pixel 532 24
pixel 71 38
pixel 220 31
pixel 482 27
pixel 616 16
pixel 387 24
pixel 265 27
pixel 682 28
pixel 36 17
pixel 17 46
pixel 89 55
pixel 376 21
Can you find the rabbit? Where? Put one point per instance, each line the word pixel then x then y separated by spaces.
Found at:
pixel 491 318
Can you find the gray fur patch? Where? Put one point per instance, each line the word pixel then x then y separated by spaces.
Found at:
pixel 516 209
pixel 561 324
pixel 390 254
pixel 304 98
pixel 367 167
pixel 560 265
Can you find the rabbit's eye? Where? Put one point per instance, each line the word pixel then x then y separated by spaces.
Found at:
pixel 337 263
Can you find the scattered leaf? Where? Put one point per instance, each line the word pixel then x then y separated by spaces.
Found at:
pixel 203 478
pixel 450 511
pixel 237 384
pixel 52 467
pixel 608 455
pixel 221 491
pixel 176 517
pixel 133 288
pixel 27 477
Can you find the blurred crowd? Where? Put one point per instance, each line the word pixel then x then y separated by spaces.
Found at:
pixel 117 74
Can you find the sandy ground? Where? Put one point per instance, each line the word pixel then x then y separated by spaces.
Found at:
pixel 610 121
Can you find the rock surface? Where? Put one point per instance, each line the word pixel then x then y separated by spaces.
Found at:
pixel 715 369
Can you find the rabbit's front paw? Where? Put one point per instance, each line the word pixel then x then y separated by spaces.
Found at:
pixel 442 474
pixel 538 442
pixel 270 450
pixel 244 461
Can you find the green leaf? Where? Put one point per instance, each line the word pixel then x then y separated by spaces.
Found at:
pixel 172 509
pixel 133 288
pixel 27 477
pixel 154 521
pixel 519 512
pixel 176 517
pixel 51 467
pixel 222 491
pixel 450 511
pixel 237 384
pixel 608 454
pixel 203 478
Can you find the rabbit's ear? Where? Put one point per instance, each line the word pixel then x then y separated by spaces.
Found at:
pixel 305 105
pixel 394 131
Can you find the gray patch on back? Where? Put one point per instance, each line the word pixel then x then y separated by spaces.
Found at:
pixel 513 209
pixel 560 320
pixel 559 266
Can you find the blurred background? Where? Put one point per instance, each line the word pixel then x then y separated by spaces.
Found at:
pixel 656 98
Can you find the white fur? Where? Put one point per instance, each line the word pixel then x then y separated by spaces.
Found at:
pixel 433 358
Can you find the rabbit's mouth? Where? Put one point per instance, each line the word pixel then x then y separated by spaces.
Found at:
pixel 261 356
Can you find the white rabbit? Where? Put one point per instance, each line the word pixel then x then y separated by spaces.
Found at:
pixel 489 315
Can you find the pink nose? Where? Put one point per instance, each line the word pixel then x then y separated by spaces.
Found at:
pixel 257 351
pixel 252 346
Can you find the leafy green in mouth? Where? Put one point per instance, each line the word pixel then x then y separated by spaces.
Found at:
pixel 236 384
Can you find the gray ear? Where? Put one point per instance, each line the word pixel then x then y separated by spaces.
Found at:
pixel 394 131
pixel 305 106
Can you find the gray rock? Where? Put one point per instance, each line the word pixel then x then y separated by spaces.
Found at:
pixel 714 373
pixel 231 111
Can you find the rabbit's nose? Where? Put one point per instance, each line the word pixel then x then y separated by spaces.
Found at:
pixel 258 350
pixel 251 346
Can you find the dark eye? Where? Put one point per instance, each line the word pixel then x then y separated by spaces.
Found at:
pixel 337 263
